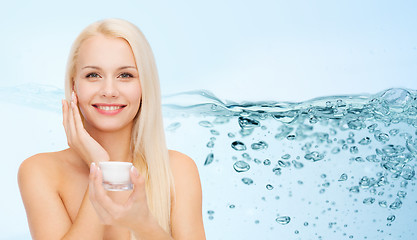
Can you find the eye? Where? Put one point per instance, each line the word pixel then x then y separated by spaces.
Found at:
pixel 126 75
pixel 92 75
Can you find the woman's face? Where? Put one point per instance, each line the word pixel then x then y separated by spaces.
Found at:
pixel 107 83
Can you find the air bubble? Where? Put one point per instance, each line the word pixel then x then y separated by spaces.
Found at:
pixel 283 220
pixel 259 145
pixel 343 177
pixel 291 137
pixel 205 124
pixel 365 141
pixel 209 159
pixel 297 164
pixel 241 166
pixel 283 164
pixel 246 123
pixel 383 203
pixel 382 137
pixel 394 132
pixel 238 146
pixel 369 200
pixel 246 156
pixel 314 156
pixel 335 150
pixel 247 181
pixel 356 124
pixel 354 150
pixel 396 204
pixel 401 194
pixel 214 132
pixel 391 218
pixel 267 162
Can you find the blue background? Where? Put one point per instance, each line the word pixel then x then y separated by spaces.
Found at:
pixel 240 50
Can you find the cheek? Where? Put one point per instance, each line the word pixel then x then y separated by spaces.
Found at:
pixel 135 94
pixel 83 94
pixel 82 99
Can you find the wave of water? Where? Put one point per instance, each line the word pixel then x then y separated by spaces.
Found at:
pixel 328 168
pixel 337 167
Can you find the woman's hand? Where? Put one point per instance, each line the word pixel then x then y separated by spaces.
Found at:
pixel 78 138
pixel 132 213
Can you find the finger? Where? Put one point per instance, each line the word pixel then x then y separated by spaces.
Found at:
pixel 77 116
pixel 139 190
pixel 66 122
pixel 101 212
pixel 71 118
pixel 64 115
pixel 91 178
pixel 101 196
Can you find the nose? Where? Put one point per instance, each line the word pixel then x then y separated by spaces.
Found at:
pixel 109 89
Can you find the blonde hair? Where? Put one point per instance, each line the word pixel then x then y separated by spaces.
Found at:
pixel 148 146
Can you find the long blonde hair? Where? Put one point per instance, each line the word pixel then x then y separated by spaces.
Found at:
pixel 148 146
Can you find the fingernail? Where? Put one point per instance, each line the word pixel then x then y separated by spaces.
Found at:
pixel 135 171
pixel 92 168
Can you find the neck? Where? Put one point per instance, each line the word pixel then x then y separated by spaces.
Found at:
pixel 116 143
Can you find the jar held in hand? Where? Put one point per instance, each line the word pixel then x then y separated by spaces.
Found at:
pixel 116 175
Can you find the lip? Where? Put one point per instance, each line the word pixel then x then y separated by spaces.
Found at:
pixel 108 112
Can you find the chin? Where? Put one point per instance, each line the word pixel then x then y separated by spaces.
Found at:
pixel 108 127
pixel 112 128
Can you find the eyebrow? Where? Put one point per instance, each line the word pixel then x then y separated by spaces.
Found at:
pixel 120 68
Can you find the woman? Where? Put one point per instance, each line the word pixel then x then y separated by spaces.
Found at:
pixel 112 113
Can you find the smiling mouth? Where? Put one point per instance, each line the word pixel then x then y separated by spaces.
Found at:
pixel 109 108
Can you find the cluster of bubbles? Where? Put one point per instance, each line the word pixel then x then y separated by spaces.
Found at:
pixel 377 131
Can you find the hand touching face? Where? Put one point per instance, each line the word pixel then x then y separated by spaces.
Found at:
pixel 78 138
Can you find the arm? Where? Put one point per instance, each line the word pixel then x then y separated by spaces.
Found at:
pixel 46 213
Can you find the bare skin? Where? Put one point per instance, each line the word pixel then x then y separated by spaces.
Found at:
pixel 54 185
pixel 63 195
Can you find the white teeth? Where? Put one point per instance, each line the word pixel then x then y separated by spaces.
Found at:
pixel 109 108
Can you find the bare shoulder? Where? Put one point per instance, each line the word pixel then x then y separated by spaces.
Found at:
pixel 35 164
pixel 181 163
pixel 185 173
pixel 39 167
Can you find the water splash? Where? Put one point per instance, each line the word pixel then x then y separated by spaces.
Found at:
pixel 43 97
pixel 370 138
pixel 335 167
